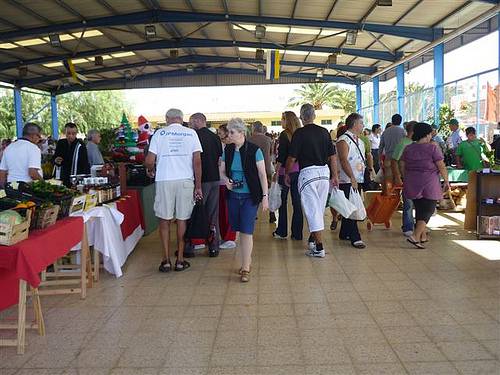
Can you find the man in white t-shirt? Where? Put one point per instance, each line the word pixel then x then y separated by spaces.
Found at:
pixel 22 160
pixel 176 150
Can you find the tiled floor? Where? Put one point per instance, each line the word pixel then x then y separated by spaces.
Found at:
pixel 386 310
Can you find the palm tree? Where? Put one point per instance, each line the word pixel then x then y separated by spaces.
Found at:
pixel 317 94
pixel 343 99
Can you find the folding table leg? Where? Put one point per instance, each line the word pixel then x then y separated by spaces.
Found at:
pixel 37 307
pixel 21 317
pixel 97 264
pixel 83 263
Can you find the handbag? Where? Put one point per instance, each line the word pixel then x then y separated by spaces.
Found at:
pixel 198 225
pixel 274 197
pixel 360 213
pixel 340 203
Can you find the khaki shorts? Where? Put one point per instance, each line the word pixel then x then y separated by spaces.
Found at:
pixel 174 199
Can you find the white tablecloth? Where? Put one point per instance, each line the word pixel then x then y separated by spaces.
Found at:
pixel 104 233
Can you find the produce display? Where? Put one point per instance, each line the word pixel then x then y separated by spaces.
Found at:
pixel 10 217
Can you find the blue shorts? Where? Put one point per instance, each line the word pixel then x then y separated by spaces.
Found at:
pixel 242 212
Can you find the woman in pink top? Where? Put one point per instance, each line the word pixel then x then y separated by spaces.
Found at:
pixel 289 122
pixel 422 163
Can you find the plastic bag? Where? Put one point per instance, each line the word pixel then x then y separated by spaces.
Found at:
pixel 274 197
pixel 360 212
pixel 379 177
pixel 340 203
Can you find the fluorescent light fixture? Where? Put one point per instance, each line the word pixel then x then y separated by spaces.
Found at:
pixel 66 37
pixel 87 33
pixel 54 40
pixel 289 52
pixel 150 31
pixel 23 71
pixel 7 45
pixel 260 31
pixel 174 53
pixel 53 64
pixel 30 42
pixel 291 30
pixel 79 61
pixel 106 57
pixel 259 54
pixel 351 37
pixel 123 54
pixel 384 3
pixel 332 59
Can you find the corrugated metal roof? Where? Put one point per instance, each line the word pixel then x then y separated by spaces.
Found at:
pixel 215 38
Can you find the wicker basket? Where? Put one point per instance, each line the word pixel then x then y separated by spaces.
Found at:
pixel 11 234
pixel 45 217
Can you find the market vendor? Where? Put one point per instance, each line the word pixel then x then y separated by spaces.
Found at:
pixel 93 152
pixel 71 155
pixel 455 138
pixel 471 153
pixel 26 168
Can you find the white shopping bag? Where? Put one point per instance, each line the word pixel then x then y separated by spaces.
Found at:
pixel 274 197
pixel 340 203
pixel 360 213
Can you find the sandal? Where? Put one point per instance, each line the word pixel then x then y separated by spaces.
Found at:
pixel 418 245
pixel 165 266
pixel 182 266
pixel 241 270
pixel 245 276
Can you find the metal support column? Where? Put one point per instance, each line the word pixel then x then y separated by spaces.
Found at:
pixel 400 89
pixel 358 97
pixel 55 119
pixel 438 80
pixel 376 100
pixel 18 111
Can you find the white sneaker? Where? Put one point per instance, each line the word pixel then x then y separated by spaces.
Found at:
pixel 316 254
pixel 227 245
pixel 278 237
pixel 408 233
pixel 311 246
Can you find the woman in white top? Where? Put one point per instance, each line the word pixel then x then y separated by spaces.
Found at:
pixel 375 144
pixel 351 154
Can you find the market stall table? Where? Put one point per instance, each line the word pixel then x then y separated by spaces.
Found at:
pixel 22 263
pixel 114 230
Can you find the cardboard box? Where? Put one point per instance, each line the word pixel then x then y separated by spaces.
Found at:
pixel 489 224
pixel 90 201
pixel 77 204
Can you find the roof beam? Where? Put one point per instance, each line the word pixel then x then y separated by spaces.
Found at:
pixel 193 59
pixel 164 16
pixel 494 2
pixel 197 72
pixel 200 43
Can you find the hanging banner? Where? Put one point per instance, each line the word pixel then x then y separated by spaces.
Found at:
pixel 273 65
pixel 77 78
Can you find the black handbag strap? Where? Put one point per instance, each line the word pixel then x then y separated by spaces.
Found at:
pixel 357 146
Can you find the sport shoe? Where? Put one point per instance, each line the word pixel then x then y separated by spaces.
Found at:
pixel 278 237
pixel 227 245
pixel 408 233
pixel 315 253
pixel 311 246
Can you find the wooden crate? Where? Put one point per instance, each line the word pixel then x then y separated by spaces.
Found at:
pixel 45 217
pixel 11 234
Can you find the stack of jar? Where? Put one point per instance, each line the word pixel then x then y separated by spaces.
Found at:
pixel 105 190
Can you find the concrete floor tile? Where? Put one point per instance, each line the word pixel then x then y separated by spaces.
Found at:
pixel 134 371
pixel 446 333
pixel 284 355
pixel 264 310
pixel 271 338
pixel 477 367
pixel 222 358
pixel 206 311
pixel 247 323
pixel 379 369
pixel 198 324
pixel 379 353
pixel 330 370
pixel 430 368
pixel 362 335
pixel 238 340
pixel 418 352
pixel 397 335
pixel 241 299
pixel 399 319
pixel 190 339
pixel 193 357
pixel 183 371
pixel 484 331
pixel 325 355
pixel 308 309
pixel 52 358
pixel 464 350
pixel 89 358
pixel 493 347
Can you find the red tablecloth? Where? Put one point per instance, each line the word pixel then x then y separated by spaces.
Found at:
pixel 130 207
pixel 26 259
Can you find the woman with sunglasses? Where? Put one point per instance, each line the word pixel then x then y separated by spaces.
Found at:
pixel 244 172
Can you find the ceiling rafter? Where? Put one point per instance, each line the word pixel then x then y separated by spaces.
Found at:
pixel 200 43
pixel 187 59
pixel 161 16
